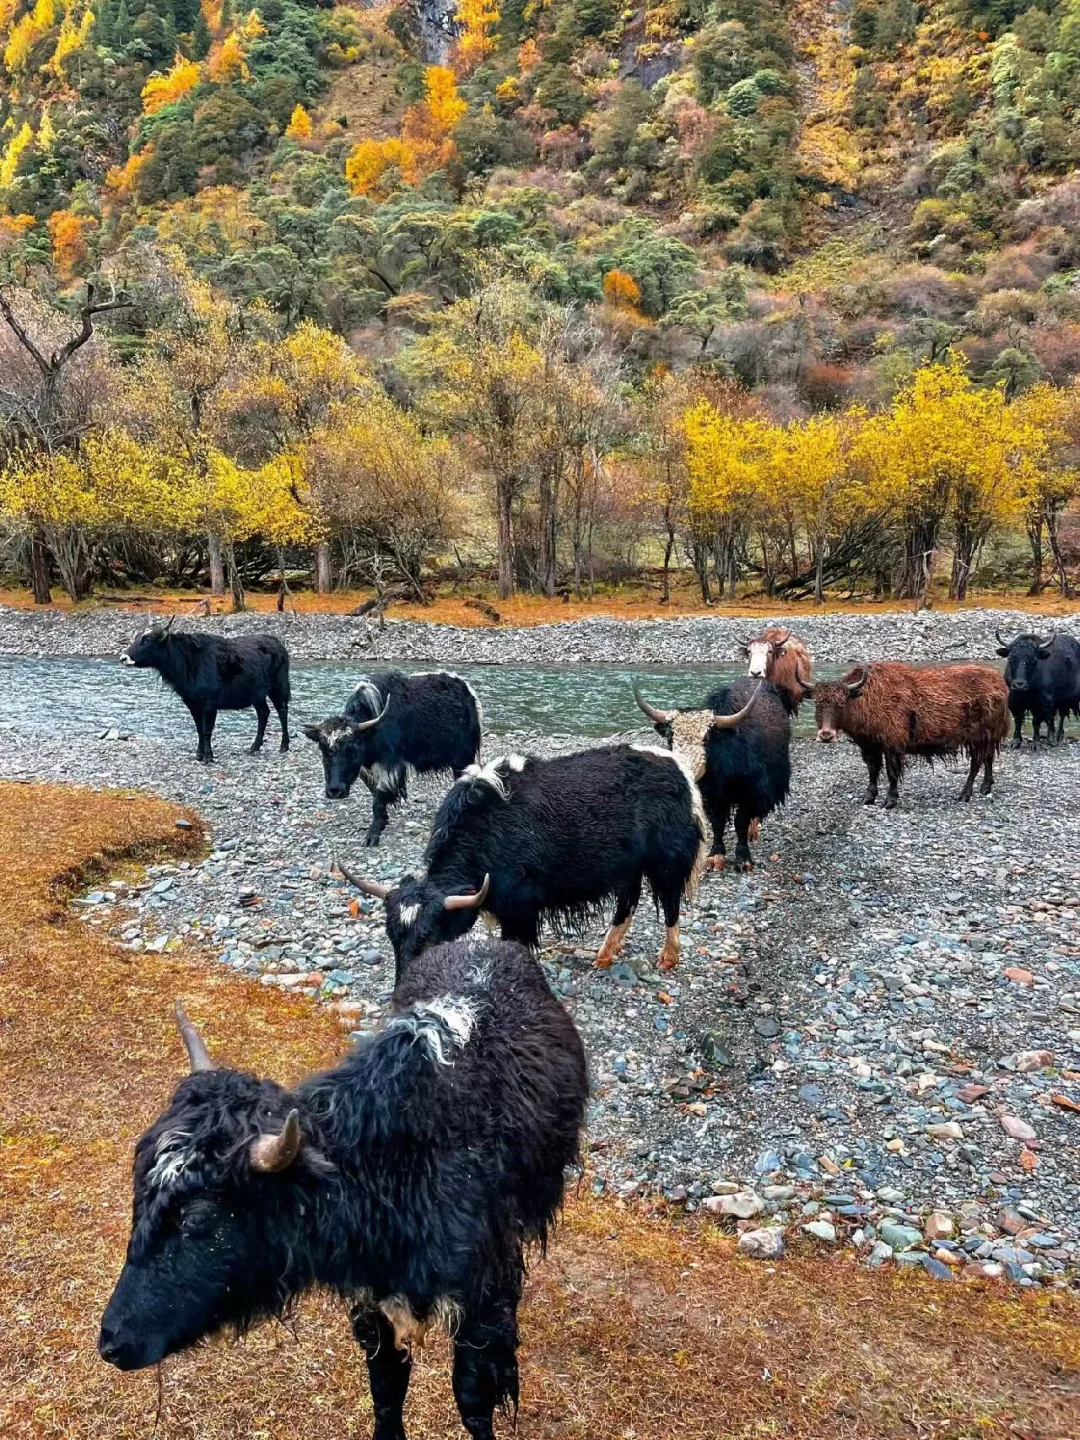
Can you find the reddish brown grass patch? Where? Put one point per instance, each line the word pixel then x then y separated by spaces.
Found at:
pixel 632 1327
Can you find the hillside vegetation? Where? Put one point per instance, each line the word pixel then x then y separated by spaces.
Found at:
pixel 743 226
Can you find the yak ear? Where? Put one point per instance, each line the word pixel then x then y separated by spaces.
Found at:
pixel 1003 651
pixel 1044 652
pixel 313 732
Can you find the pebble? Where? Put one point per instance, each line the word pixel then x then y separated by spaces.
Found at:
pixel 1017 1129
pixel 743 1205
pixel 821 1230
pixel 900 1237
pixel 767 1244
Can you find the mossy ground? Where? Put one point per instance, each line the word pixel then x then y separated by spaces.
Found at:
pixel 634 1328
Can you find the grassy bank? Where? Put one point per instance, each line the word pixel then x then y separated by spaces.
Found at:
pixel 628 602
pixel 633 1326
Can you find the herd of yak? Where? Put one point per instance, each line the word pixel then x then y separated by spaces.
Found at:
pixel 411 1177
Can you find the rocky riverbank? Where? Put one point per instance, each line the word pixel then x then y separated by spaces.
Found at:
pixel 833 639
pixel 873 1040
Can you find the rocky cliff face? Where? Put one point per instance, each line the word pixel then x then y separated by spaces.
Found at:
pixel 436 27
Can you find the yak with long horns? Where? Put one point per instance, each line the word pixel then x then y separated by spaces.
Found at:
pixel 408 1180
pixel 1043 676
pixel 527 840
pixel 738 748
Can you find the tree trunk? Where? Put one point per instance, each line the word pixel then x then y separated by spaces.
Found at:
pixel 504 505
pixel 918 563
pixel 699 552
pixel 39 570
pixel 665 583
pixel 324 578
pixel 1035 539
pixel 1059 558
pixel 236 587
pixel 549 533
pixel 819 575
pixel 217 565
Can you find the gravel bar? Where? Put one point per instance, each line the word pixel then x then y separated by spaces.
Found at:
pixel 833 639
pixel 872 1041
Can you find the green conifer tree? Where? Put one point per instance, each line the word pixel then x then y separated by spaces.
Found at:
pixel 200 37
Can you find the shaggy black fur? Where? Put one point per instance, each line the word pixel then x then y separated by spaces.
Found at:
pixel 558 838
pixel 1043 680
pixel 432 725
pixel 210 674
pixel 418 1180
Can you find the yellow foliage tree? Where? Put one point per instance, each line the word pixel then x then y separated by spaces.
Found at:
pixel 25 34
pixel 9 161
pixel 425 144
pixel 374 165
pixel 727 456
pixel 477 20
pixel 73 36
pixel 70 235
pixel 1048 477
pixel 162 90
pixel 227 61
pixel 621 289
pixel 299 126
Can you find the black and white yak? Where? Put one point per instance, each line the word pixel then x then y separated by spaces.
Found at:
pixel 529 840
pixel 738 747
pixel 393 724
pixel 409 1180
pixel 212 673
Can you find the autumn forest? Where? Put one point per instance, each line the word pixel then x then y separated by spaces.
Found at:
pixel 555 296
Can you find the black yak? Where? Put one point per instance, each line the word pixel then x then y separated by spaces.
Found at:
pixel 394 723
pixel 737 746
pixel 1043 676
pixel 211 673
pixel 527 839
pixel 408 1179
pixel 892 710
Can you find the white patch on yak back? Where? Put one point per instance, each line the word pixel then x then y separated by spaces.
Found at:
pixel 435 1022
pixel 696 806
pixel 371 694
pixel 172 1157
pixel 487 775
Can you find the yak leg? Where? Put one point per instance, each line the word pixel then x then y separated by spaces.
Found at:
pixel 1018 729
pixel 719 820
pixel 383 794
pixel 988 776
pixel 894 768
pixel 262 715
pixel 282 708
pixel 486 1368
pixel 625 905
pixel 969 783
pixel 1060 727
pixel 389 1371
pixel 204 723
pixel 743 823
pixel 670 897
pixel 873 757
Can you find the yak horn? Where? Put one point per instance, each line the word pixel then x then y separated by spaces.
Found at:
pixel 853 687
pixel 727 722
pixel 374 888
pixel 277 1152
pixel 807 685
pixel 658 717
pixel 198 1055
pixel 1002 642
pixel 468 902
pixel 1042 642
pixel 370 724
pixel 782 638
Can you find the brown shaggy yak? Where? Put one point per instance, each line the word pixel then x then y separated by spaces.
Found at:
pixel 777 656
pixel 891 711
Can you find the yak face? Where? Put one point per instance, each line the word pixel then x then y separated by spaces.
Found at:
pixel 831 699
pixel 149 651
pixel 214 1222
pixel 1022 658
pixel 346 749
pixel 759 653
pixel 417 918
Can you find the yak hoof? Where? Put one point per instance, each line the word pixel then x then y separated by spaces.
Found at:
pixel 870 798
pixel 207 759
pixel 603 962
pixel 965 794
pixel 891 802
pixel 744 864
pixel 371 839
pixel 1017 743
pixel 254 749
pixel 717 862
pixel 667 961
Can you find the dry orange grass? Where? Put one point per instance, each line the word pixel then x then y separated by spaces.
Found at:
pixel 633 1327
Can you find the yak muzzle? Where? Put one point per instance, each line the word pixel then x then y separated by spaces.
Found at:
pixel 337 792
pixel 826 735
pixel 127 660
pixel 1020 685
pixel 126 1354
